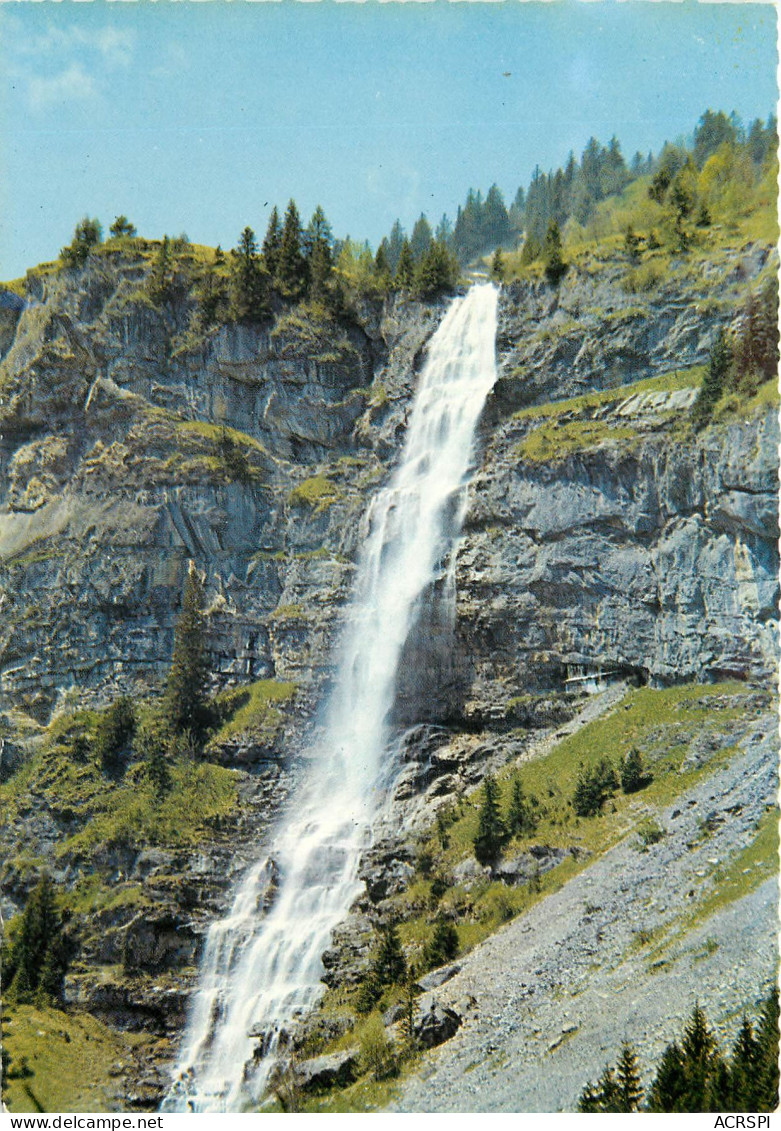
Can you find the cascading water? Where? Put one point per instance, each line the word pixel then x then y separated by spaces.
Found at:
pixel 262 963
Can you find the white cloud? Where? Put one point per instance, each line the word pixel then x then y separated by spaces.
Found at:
pixel 111 45
pixel 72 84
pixel 60 64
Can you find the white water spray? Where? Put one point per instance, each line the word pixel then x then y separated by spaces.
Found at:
pixel 262 963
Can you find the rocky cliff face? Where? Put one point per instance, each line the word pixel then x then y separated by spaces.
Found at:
pixel 128 448
pixel 251 453
pixel 603 539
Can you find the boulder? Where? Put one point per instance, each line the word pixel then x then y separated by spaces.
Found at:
pixel 469 873
pixel 435 1024
pixel 325 1071
pixel 438 977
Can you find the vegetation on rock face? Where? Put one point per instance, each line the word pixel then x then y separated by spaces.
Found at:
pixel 741 363
pixel 693 1075
pixel 87 236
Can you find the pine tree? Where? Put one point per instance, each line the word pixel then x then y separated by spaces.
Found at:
pixel 766 1096
pixel 521 819
pixel 630 1091
pixel 272 242
pixel 382 268
pixel 211 294
pixel 405 269
pixel 744 1069
pixel 290 277
pixel 608 1094
pixel 390 965
pixel 497 266
pixel 589 1099
pixel 421 238
pixel 713 383
pixel 319 257
pixel 698 1049
pixel 490 828
pixel 87 235
pixel 443 944
pixel 122 228
pixel 151 746
pixel 437 271
pixel 395 243
pixel 186 705
pixel 161 277
pixel 249 282
pixel 633 775
pixel 555 267
pixel 668 1088
pixel 38 957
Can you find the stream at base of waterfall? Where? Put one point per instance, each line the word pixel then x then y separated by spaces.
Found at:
pixel 261 965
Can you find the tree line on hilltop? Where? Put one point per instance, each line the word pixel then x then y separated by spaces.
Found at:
pixel 294 262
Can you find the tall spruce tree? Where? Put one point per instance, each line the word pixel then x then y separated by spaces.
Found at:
pixel 766 1096
pixel 272 242
pixel 249 281
pixel 161 278
pixel 521 819
pixel 114 734
pixel 420 240
pixel 554 264
pixel 186 706
pixel 405 269
pixel 491 832
pixel 714 381
pixel 630 1090
pixel 38 957
pixel 290 277
pixel 390 964
pixel 319 255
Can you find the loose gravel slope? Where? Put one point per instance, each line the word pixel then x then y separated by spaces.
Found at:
pixel 622 951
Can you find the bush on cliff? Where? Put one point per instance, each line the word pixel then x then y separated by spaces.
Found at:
pixel 88 234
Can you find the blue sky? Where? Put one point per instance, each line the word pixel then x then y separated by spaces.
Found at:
pixel 197 117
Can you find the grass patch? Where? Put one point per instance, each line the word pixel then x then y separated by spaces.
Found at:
pixel 69 1056
pixel 216 432
pixel 668 382
pixel 201 795
pixel 316 492
pixel 552 441
pixel 366 1094
pixel 63 778
pixel 253 709
pixel 745 872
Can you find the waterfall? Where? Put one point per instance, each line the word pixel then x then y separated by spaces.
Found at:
pixel 262 963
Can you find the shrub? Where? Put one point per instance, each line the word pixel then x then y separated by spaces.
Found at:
pixel 633 775
pixel 378 1054
pixel 443 944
